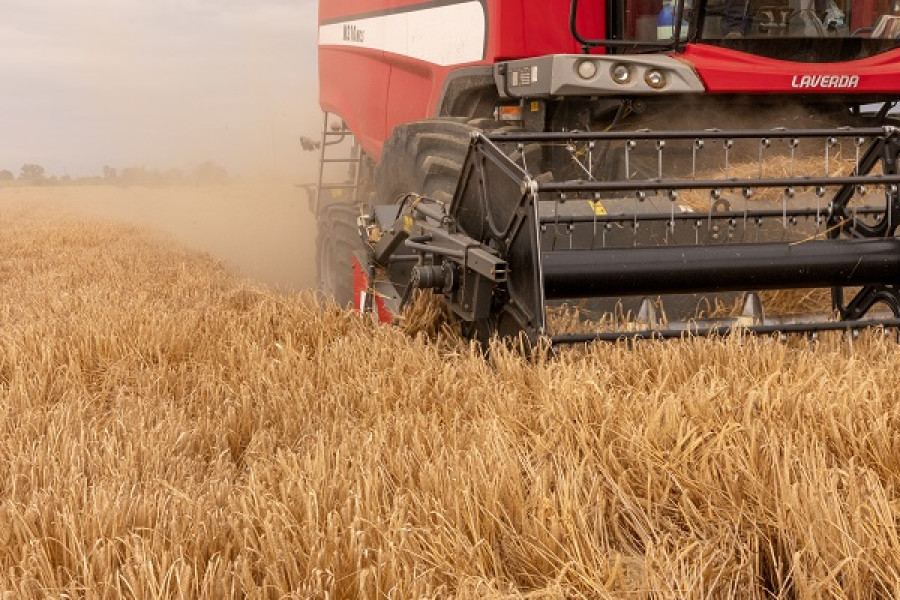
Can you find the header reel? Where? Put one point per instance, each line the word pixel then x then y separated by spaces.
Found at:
pixel 644 230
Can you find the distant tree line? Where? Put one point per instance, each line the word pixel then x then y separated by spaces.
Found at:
pixel 28 172
pixel 205 173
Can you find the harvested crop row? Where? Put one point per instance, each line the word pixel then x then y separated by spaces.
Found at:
pixel 168 431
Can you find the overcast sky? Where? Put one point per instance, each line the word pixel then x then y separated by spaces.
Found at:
pixel 158 83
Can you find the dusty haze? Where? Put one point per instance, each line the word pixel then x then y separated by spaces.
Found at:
pixel 262 231
pixel 169 85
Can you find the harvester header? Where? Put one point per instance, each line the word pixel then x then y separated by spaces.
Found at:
pixel 653 169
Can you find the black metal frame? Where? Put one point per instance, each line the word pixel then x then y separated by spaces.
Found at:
pixel 484 251
pixel 723 329
pixel 588 44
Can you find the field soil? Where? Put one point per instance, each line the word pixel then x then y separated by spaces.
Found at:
pixel 171 430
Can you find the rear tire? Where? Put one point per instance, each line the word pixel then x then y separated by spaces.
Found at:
pixel 424 158
pixel 337 240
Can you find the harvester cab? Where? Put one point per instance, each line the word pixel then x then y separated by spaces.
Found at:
pixel 574 170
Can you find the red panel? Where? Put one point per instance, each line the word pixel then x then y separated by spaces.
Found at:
pixel 523 28
pixel 361 286
pixel 353 83
pixel 411 95
pixel 727 71
pixel 375 91
pixel 335 9
pixel 863 14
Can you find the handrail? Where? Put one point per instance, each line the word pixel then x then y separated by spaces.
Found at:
pixel 588 44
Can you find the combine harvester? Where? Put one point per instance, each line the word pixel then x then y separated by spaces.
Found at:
pixel 640 160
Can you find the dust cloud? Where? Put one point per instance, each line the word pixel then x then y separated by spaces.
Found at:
pixel 164 87
pixel 262 231
pixel 161 85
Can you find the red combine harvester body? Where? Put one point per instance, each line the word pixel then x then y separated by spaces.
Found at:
pixel 402 74
pixel 513 156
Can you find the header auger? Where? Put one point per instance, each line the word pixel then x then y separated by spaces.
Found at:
pixel 552 185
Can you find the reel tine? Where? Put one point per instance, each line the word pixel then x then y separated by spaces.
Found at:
pixel 858 142
pixel 696 146
pixel 670 226
pixel 629 146
pixel 591 158
pixel 727 144
pixel 794 143
pixel 763 144
pixel 660 144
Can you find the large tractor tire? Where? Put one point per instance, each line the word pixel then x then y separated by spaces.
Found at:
pixel 337 240
pixel 425 158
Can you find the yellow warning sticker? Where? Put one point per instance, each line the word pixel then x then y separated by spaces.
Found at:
pixel 407 223
pixel 599 209
pixel 535 106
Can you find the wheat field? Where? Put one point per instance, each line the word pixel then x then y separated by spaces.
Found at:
pixel 172 431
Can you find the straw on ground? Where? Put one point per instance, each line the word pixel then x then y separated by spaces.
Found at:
pixel 170 432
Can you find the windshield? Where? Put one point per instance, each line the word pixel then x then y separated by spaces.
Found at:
pixel 797 30
pixel 736 19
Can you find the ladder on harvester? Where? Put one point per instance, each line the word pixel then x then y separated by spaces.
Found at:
pixel 337 138
pixel 336 200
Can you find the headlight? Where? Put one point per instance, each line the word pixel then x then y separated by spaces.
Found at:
pixel 621 74
pixel 587 69
pixel 655 79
